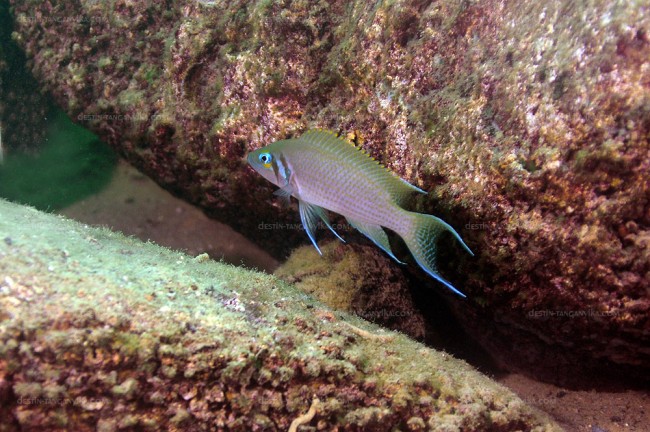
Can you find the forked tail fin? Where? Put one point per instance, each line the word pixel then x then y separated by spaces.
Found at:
pixel 422 240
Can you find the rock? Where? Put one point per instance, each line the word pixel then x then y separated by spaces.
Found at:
pixel 528 124
pixel 96 319
pixel 23 109
pixel 357 279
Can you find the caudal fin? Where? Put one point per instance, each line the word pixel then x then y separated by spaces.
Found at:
pixel 422 241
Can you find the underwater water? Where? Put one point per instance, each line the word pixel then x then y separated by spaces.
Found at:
pixel 70 165
pixel 153 278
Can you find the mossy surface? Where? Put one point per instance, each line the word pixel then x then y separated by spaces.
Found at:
pixel 357 279
pixel 102 331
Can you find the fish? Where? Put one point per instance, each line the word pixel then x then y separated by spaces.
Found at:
pixel 325 172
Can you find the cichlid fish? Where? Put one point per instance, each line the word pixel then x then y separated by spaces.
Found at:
pixel 324 171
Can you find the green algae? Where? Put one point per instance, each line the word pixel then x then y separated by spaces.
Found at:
pixel 203 343
pixel 104 62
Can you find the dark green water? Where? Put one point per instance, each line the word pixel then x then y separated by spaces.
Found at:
pixel 45 160
pixel 71 164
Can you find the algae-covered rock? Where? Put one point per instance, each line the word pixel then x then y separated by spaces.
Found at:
pixel 357 279
pixel 528 123
pixel 99 331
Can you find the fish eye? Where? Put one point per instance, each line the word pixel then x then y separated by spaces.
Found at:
pixel 266 159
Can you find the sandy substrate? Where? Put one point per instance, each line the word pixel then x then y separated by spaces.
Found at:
pixel 136 206
pixel 585 410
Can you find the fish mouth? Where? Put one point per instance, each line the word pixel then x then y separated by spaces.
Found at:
pixel 253 162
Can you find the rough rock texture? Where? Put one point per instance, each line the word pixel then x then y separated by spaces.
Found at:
pixel 357 279
pixel 528 122
pixel 103 332
pixel 22 107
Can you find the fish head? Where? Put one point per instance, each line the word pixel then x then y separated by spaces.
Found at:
pixel 270 163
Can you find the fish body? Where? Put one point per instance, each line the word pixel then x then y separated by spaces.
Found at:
pixel 325 172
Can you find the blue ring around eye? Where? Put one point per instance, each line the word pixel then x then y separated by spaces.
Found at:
pixel 265 158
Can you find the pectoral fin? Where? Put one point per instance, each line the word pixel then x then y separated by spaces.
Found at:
pixel 309 215
pixel 284 194
pixel 376 234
